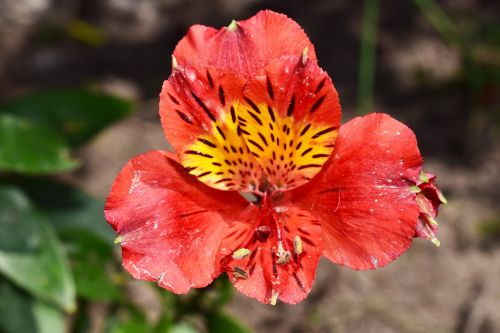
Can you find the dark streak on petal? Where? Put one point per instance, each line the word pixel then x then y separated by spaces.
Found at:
pixel 184 117
pixel 320 86
pixel 256 144
pixel 322 132
pixel 173 99
pixel 254 116
pixel 291 106
pixel 252 104
pixel 223 180
pixel 271 113
pixel 269 88
pixel 233 114
pixel 208 143
pixel 263 138
pixel 210 81
pixel 222 96
pixel 203 106
pixel 204 174
pixel 307 166
pixel 305 129
pixel 307 241
pixel 221 133
pixel 193 152
pixel 306 152
pixel 192 213
pixel 296 278
pixel 317 104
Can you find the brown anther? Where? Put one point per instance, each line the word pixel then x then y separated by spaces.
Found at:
pixel 239 273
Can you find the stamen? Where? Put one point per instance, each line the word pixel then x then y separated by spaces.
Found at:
pixel 239 273
pixel 241 253
pixel 274 298
pixel 297 245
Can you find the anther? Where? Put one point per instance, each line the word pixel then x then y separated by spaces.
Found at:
pixel 283 256
pixel 297 245
pixel 274 298
pixel 239 273
pixel 174 63
pixel 232 26
pixel 241 253
pixel 304 55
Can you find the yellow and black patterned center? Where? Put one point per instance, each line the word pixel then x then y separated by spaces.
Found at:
pixel 252 148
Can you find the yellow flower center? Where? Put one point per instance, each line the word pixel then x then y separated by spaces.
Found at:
pixel 252 148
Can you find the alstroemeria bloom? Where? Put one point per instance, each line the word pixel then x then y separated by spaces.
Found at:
pixel 248 109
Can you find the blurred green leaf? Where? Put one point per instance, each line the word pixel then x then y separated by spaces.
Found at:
pixel 130 321
pixel 132 327
pixel 30 253
pixel 68 208
pixel 48 318
pixel 20 313
pixel 86 33
pixel 219 322
pixel 92 263
pixel 490 227
pixel 31 148
pixel 79 221
pixel 224 292
pixel 76 114
pixel 184 328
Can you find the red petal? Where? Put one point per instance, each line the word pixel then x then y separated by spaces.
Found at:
pixel 189 103
pixel 290 281
pixel 363 196
pixel 245 47
pixel 170 225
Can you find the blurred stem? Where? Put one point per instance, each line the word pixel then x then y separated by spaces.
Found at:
pixel 367 56
pixel 440 20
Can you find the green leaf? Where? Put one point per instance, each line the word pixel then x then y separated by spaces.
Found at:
pixel 76 114
pixel 20 313
pixel 132 321
pixel 220 322
pixel 68 208
pixel 31 148
pixel 79 221
pixel 93 266
pixel 30 253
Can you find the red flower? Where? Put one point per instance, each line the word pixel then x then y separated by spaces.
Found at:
pixel 248 109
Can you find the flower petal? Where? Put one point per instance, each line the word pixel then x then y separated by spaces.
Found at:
pixel 429 198
pixel 267 265
pixel 169 224
pixel 282 123
pixel 363 196
pixel 244 46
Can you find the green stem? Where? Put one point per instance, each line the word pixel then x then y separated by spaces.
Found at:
pixel 367 56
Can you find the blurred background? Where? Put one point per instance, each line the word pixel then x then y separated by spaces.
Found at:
pixel 79 85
